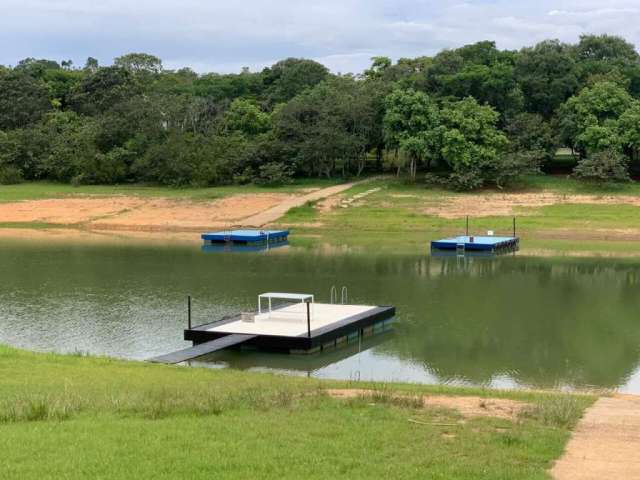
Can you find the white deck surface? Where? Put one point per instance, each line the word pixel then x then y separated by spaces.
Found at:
pixel 291 321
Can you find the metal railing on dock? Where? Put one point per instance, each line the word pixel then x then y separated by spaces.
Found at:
pixel 333 295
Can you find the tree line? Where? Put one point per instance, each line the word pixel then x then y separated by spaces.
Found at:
pixel 465 118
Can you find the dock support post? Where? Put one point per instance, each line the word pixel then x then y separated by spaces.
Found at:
pixel 514 227
pixel 467 229
pixel 308 320
pixel 189 311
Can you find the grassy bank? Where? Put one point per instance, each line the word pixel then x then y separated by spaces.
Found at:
pixel 403 217
pixel 80 417
pixel 42 190
pixel 392 215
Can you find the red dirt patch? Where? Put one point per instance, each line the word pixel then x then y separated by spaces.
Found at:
pixel 134 213
pixel 67 210
pixel 181 214
pixel 496 204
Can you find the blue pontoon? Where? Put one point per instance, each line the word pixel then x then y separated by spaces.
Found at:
pixel 246 236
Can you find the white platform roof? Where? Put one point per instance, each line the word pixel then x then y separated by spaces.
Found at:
pixel 287 296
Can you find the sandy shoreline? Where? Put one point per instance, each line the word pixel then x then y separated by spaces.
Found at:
pixel 137 214
pixel 131 219
pixel 140 214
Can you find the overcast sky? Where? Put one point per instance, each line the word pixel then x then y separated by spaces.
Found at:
pixel 224 36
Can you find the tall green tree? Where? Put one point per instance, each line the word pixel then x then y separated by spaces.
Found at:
pixel 530 132
pixel 379 66
pixel 411 125
pixel 479 70
pixel 326 128
pixel 228 87
pixel 245 117
pixel 70 150
pixel 589 120
pixel 36 67
pixel 23 100
pixel 548 76
pixel 100 91
pixel 607 57
pixel 472 145
pixel 287 78
pixel 91 65
pixel 139 63
pixel 629 130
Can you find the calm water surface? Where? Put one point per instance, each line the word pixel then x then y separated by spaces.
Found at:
pixel 503 322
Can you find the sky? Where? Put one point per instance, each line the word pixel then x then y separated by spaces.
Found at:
pixel 210 35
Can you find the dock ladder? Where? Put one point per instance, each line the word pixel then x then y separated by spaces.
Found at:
pixel 344 295
pixel 460 249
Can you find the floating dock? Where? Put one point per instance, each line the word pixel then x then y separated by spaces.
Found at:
pixel 301 326
pixel 246 237
pixel 476 243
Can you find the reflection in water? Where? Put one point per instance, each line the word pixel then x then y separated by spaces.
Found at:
pixel 461 255
pixel 504 321
pixel 240 247
pixel 304 365
pixel 538 322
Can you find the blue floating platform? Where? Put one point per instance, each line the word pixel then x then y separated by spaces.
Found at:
pixel 246 236
pixel 477 243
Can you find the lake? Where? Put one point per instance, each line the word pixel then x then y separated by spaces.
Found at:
pixel 509 322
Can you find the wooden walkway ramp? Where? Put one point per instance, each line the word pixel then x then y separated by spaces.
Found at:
pixel 202 349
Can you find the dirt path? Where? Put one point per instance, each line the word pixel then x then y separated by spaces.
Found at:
pixel 274 213
pixel 467 406
pixel 605 444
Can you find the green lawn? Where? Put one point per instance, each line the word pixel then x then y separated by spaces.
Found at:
pixel 40 190
pixel 80 417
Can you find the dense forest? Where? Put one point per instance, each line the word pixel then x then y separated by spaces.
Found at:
pixel 467 117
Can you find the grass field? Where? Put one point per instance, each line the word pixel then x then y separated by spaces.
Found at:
pixel 81 417
pixel 396 218
pixel 40 190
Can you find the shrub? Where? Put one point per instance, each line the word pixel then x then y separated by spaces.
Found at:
pixel 512 166
pixel 104 168
pixel 501 171
pixel 273 173
pixel 10 175
pixel 245 177
pixel 435 180
pixel 470 179
pixel 603 167
pixel 559 412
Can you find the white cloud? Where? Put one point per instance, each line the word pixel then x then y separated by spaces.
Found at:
pixel 594 13
pixel 222 36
